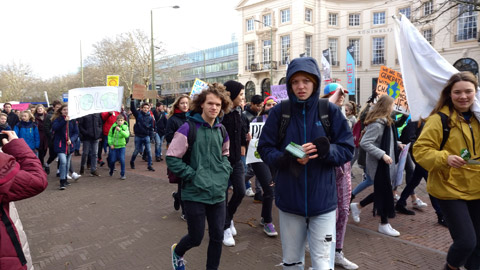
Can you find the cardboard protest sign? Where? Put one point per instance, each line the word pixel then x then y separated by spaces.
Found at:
pixel 197 87
pixel 390 83
pixel 279 92
pixel 139 91
pixel 252 155
pixel 84 101
pixel 151 94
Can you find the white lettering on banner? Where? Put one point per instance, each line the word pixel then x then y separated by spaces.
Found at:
pixel 252 154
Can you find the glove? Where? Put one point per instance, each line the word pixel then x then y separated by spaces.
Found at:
pixel 323 146
pixel 290 163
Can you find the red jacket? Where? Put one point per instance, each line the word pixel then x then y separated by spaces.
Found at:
pixel 21 177
pixel 108 119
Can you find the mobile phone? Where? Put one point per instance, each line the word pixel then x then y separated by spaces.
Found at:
pixel 3 136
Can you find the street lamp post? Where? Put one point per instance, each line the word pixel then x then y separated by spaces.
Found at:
pixel 154 87
pixel 271 51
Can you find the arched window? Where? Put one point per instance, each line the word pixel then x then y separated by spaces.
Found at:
pixel 282 81
pixel 467 64
pixel 265 87
pixel 249 90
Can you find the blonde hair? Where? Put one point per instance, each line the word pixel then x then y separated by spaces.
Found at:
pixel 30 115
pixel 176 103
pixel 39 106
pixel 381 110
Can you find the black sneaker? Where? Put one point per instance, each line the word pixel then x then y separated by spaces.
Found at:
pixel 132 164
pixel 82 170
pixel 403 210
pixel 158 159
pixel 62 187
pixel 47 170
pixel 94 173
pixel 258 198
pixel 150 168
pixel 67 183
pixel 110 173
pixel 102 163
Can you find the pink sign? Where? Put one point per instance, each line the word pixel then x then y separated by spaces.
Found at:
pixel 20 107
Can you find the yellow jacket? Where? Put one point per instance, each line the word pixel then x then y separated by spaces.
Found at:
pixel 445 182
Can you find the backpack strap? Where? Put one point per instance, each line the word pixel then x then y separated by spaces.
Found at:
pixel 323 107
pixel 285 108
pixel 224 132
pixel 192 134
pixel 445 128
pixel 13 237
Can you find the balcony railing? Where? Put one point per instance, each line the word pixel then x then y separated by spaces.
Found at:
pixel 262 66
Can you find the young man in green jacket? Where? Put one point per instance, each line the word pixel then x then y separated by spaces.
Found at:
pixel 205 175
pixel 117 139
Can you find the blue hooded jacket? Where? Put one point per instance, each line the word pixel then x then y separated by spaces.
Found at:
pixel 314 191
pixel 29 132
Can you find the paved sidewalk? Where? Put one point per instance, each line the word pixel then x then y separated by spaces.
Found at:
pixel 106 223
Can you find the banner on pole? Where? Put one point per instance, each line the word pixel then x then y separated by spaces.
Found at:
pixel 279 92
pixel 113 80
pixel 350 68
pixel 326 69
pixel 84 101
pixel 197 87
pixel 390 83
pixel 252 155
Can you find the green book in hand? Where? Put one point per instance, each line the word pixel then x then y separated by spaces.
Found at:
pixel 296 150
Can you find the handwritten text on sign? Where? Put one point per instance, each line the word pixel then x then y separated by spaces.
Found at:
pixel 390 83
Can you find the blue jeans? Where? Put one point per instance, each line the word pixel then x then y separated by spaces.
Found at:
pixel 363 185
pixel 64 164
pixel 158 145
pixel 139 143
pixel 76 144
pixel 90 150
pixel 196 213
pixel 117 154
pixel 320 234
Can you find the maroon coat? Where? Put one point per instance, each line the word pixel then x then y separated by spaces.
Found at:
pixel 21 177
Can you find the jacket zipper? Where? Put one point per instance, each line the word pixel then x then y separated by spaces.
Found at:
pixel 473 139
pixel 305 141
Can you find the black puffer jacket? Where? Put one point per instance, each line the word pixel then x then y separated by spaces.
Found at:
pixel 236 132
pixel 173 123
pixel 160 122
pixel 90 127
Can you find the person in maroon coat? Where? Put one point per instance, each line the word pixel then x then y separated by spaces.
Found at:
pixel 21 177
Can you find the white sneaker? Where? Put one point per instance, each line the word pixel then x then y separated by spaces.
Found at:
pixel 69 177
pixel 396 197
pixel 355 212
pixel 340 260
pixel 228 238
pixel 75 176
pixel 388 230
pixel 419 204
pixel 249 192
pixel 232 229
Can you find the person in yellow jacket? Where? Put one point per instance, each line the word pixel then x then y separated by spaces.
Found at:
pixel 453 171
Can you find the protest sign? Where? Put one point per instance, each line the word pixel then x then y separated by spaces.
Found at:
pixel 279 92
pixel 401 166
pixel 21 106
pixel 151 94
pixel 252 155
pixel 197 87
pixel 113 80
pixel 139 91
pixel 390 83
pixel 84 101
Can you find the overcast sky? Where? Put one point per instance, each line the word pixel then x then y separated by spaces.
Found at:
pixel 46 34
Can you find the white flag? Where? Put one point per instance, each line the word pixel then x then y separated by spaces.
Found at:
pixel 424 70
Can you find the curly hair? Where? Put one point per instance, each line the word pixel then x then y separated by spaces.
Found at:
pixel 177 102
pixel 219 91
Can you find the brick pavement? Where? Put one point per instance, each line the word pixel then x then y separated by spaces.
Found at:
pixel 106 223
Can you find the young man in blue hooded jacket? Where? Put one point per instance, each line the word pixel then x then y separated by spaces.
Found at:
pixel 305 189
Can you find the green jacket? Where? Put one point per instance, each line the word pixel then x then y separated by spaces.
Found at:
pixel 205 179
pixel 118 138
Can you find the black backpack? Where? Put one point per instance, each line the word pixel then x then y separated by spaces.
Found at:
pixel 192 135
pixel 323 106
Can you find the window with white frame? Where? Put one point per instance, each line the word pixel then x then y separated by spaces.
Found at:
pixel 285 15
pixel 250 55
pixel 354 19
pixel 427 34
pixel 406 11
pixel 427 8
pixel 378 51
pixel 250 26
pixel 467 25
pixel 267 46
pixel 308 45
pixel 355 42
pixel 285 49
pixel 378 18
pixel 308 15
pixel 267 19
pixel 332 19
pixel 333 46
